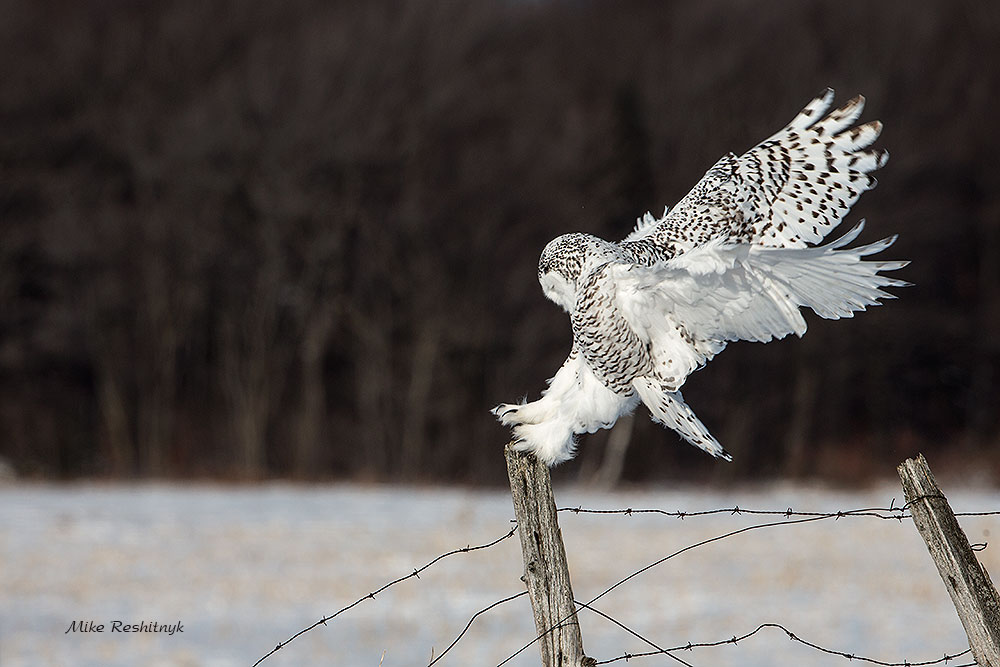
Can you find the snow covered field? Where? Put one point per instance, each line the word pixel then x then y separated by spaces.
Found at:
pixel 242 568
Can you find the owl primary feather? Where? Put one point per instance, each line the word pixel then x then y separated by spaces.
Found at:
pixel 735 259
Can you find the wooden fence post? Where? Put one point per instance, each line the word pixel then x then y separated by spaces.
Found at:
pixel 545 570
pixel 968 583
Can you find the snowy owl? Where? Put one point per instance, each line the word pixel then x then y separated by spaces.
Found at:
pixel 733 260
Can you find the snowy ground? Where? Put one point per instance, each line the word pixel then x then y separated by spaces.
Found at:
pixel 246 567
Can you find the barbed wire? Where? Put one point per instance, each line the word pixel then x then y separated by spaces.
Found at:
pixel 788 517
pixel 877 512
pixel 669 652
pixel 891 512
pixel 701 543
pixel 469 625
pixel 735 640
pixel 371 596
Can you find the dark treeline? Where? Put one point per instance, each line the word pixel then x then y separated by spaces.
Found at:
pixel 299 238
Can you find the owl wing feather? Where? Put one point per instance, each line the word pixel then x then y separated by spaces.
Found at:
pixel 790 190
pixel 724 291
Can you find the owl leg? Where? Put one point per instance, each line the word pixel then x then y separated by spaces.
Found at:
pixel 544 428
pixel 551 441
pixel 575 402
pixel 524 413
pixel 552 405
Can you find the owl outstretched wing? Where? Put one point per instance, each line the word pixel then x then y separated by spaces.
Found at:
pixel 724 291
pixel 787 191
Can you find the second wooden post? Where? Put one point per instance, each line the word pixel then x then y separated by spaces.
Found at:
pixel 967 581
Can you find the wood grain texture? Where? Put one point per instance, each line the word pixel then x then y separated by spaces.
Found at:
pixel 546 572
pixel 968 583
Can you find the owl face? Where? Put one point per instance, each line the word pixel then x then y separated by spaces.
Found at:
pixel 558 289
pixel 559 268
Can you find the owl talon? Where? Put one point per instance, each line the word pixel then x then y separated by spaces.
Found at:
pixel 502 409
pixel 508 414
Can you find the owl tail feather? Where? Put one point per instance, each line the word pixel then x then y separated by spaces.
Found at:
pixel 668 408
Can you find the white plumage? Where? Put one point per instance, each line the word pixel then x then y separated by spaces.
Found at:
pixel 731 261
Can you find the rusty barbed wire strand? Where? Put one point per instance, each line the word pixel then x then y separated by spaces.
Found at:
pixel 416 573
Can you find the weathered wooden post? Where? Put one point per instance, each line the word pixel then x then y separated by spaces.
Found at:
pixel 546 572
pixel 968 583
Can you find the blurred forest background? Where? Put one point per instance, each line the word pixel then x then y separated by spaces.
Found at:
pixel 299 238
